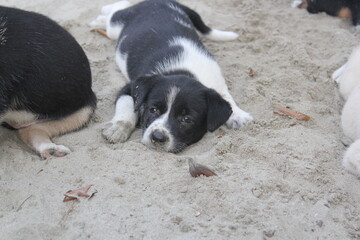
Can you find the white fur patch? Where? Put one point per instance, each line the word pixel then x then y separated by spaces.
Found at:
pixel 51 146
pixel 182 22
pixel 124 121
pixel 349 74
pixel 296 3
pixel 351 161
pixel 176 8
pixel 336 76
pixel 350 118
pixel 19 119
pixel 219 35
pixel 207 71
pixel 3 29
pixel 196 61
pixel 160 124
pixel 348 77
pixel 121 59
pixel 113 30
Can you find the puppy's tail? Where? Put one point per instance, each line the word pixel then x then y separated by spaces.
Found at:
pixel 351 161
pixel 210 33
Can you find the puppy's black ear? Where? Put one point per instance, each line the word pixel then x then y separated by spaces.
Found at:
pixel 219 110
pixel 140 89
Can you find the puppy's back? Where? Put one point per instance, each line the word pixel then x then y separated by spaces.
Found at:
pixel 42 67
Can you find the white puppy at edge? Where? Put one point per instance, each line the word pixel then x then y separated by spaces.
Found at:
pixel 348 78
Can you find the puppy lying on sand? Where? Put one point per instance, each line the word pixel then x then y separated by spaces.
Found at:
pixel 176 89
pixel 348 9
pixel 348 77
pixel 45 80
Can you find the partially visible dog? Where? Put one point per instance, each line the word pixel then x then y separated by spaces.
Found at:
pixel 175 87
pixel 349 9
pixel 45 80
pixel 348 77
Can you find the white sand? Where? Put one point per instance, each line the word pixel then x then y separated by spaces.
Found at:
pixel 273 175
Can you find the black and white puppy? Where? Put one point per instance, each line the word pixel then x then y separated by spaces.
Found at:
pixel 45 80
pixel 349 9
pixel 176 89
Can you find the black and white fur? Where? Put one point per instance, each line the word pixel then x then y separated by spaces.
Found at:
pixel 45 80
pixel 176 88
pixel 339 8
pixel 348 78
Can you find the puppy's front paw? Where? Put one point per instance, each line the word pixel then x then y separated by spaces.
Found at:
pixel 118 131
pixel 47 150
pixel 238 118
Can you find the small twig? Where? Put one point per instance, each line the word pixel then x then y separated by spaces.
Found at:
pixel 66 215
pixel 292 113
pixel 100 31
pixel 23 202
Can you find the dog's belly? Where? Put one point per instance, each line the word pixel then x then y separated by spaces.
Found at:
pixel 20 119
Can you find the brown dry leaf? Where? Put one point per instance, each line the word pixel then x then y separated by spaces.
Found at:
pixel 68 198
pixel 251 72
pixel 292 113
pixel 80 192
pixel 197 170
pixel 269 233
pixel 93 194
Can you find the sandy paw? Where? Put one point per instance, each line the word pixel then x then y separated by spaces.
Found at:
pixel 118 131
pixel 50 149
pixel 238 119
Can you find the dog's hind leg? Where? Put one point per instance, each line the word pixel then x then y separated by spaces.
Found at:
pixel 210 33
pixel 112 25
pixel 124 121
pixel 38 136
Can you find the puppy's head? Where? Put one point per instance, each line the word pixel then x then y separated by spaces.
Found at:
pixel 176 111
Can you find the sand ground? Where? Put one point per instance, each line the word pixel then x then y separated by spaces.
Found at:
pixel 276 176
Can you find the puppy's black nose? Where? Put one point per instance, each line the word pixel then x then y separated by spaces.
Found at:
pixel 158 136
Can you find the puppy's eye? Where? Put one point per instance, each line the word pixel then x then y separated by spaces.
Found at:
pixel 153 110
pixel 186 119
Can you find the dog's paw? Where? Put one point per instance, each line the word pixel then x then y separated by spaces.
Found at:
pixel 47 150
pixel 238 118
pixel 118 131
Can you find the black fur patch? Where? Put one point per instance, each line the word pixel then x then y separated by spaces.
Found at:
pixel 43 69
pixel 333 7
